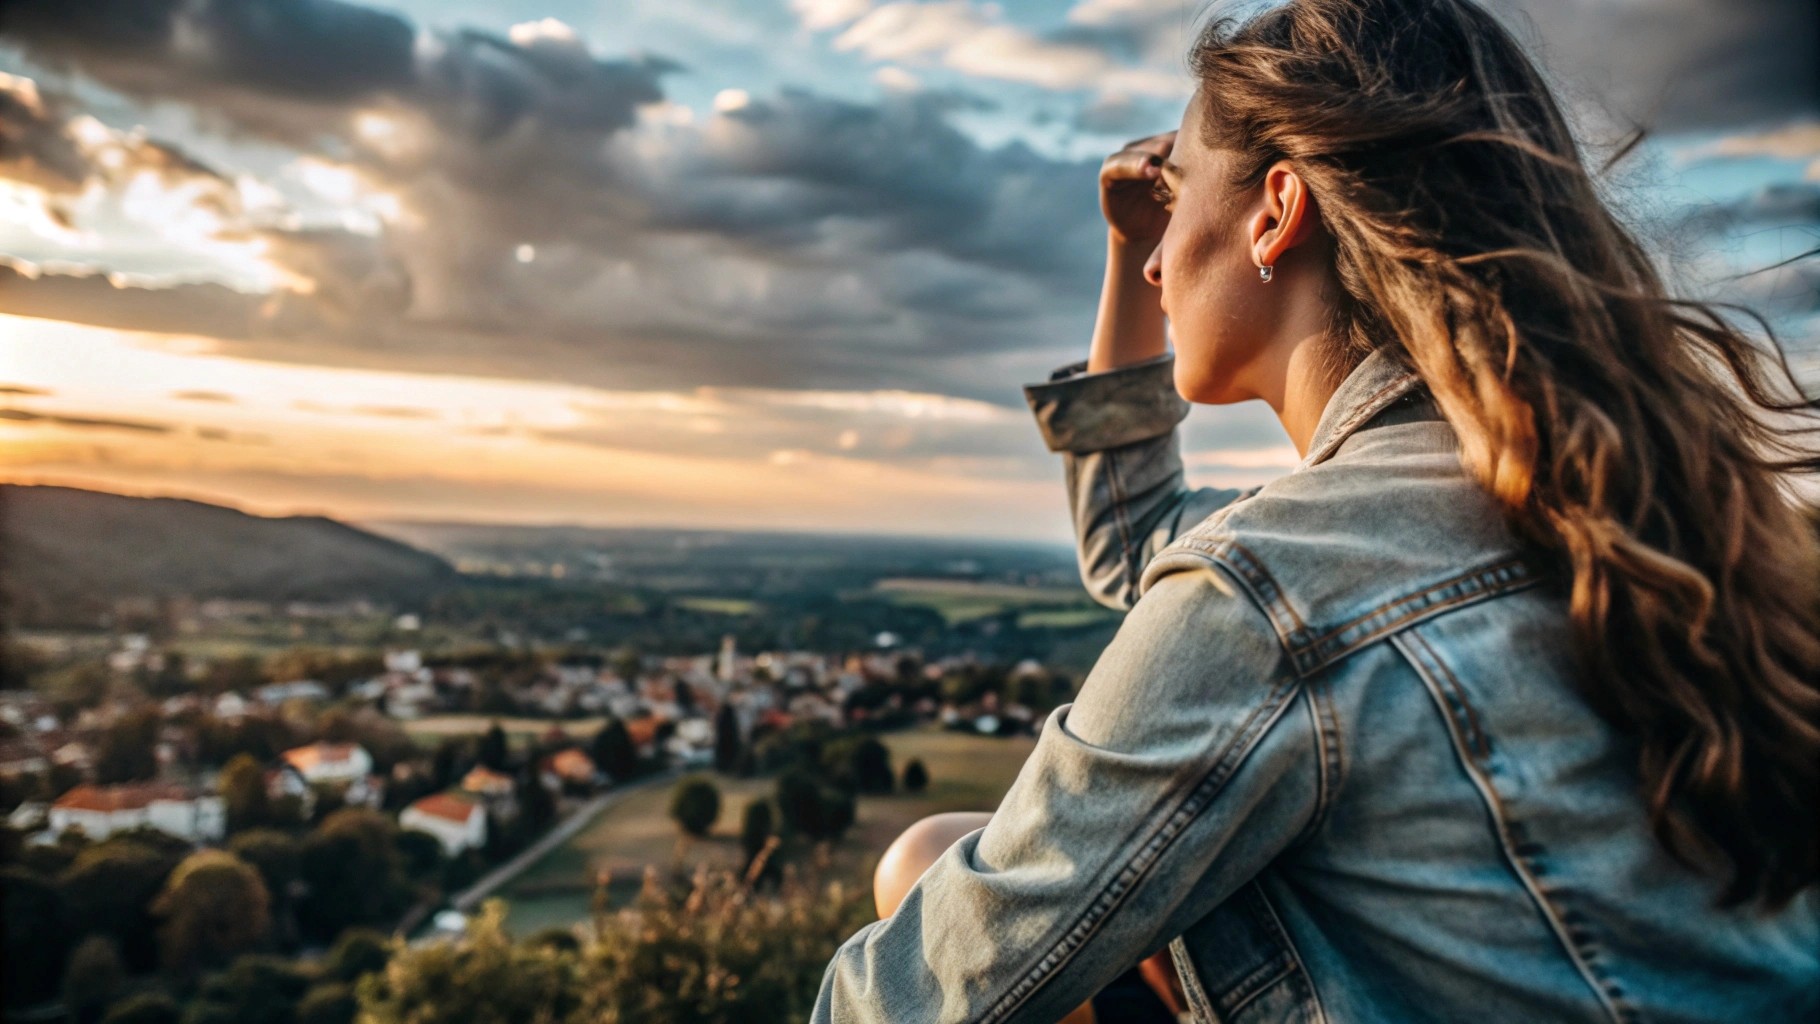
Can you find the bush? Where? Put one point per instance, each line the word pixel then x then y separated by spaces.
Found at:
pixel 695 805
pixel 755 827
pixel 916 777
pixel 93 979
pixel 256 989
pixel 811 808
pixel 358 952
pixel 421 852
pixel 872 766
pixel 213 906
pixel 36 936
pixel 333 1003
pixel 147 1008
pixel 714 953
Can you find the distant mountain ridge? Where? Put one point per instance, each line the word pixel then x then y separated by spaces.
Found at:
pixel 68 553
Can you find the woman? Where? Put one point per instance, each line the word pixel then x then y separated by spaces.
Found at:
pixel 1504 705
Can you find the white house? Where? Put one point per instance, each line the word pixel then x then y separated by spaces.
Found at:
pixel 457 823
pixel 100 811
pixel 330 762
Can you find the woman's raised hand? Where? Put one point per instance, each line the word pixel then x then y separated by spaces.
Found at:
pixel 1126 180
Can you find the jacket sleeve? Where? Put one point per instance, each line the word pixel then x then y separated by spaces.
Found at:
pixel 1122 464
pixel 1185 764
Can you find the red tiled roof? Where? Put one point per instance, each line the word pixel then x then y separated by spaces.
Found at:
pixel 306 757
pixel 643 730
pixel 571 764
pixel 446 806
pixel 120 798
pixel 485 780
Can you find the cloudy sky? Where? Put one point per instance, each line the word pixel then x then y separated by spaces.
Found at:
pixel 748 263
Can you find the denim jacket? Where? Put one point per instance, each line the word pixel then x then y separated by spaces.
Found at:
pixel 1334 759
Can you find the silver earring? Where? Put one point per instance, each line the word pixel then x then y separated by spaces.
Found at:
pixel 1264 273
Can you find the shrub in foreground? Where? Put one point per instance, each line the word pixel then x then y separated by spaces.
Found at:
pixel 714 952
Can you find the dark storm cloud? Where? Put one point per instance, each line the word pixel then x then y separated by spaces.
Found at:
pixel 1669 64
pixel 210 310
pixel 1680 64
pixel 898 165
pixel 315 59
pixel 311 48
pixel 34 148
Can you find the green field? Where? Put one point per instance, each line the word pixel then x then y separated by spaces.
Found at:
pixel 718 605
pixel 964 600
pixel 967 773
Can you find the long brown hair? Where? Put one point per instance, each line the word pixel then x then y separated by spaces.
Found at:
pixel 1641 444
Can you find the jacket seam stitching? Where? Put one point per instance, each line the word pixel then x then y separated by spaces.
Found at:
pixel 1305 649
pixel 1470 587
pixel 1430 668
pixel 1257 581
pixel 1367 408
pixel 1185 968
pixel 1295 960
pixel 1260 721
pixel 1332 761
pixel 1275 969
pixel 1127 584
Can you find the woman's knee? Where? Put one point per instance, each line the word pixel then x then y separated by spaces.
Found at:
pixel 917 847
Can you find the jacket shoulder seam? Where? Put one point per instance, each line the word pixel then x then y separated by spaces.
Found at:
pixel 1312 649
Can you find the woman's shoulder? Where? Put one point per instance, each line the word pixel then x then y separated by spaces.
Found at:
pixel 1390 526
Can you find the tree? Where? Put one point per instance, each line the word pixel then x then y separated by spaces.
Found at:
pixel 93 979
pixel 695 805
pixel 536 807
pixel 110 888
pixel 145 1008
pixel 128 749
pixel 811 808
pixel 213 906
pixel 36 936
pixel 685 698
pixel 255 989
pixel 243 793
pixel 916 777
pixel 727 742
pixel 493 748
pixel 451 761
pixel 331 1003
pixel 755 827
pixel 613 751
pixel 421 852
pixel 278 857
pixel 351 865
pixel 799 802
pixel 872 767
pixel 359 952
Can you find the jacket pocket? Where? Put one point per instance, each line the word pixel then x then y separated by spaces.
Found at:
pixel 1238 966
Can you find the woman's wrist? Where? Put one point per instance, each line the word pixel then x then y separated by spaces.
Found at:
pixel 1129 328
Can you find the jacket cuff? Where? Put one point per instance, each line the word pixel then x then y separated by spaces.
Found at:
pixel 1077 411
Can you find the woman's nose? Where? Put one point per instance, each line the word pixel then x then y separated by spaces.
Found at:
pixel 1153 267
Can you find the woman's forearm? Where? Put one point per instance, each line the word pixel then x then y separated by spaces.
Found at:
pixel 1129 328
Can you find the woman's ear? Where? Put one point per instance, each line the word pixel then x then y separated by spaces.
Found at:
pixel 1286 218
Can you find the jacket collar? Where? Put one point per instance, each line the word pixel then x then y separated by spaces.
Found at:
pixel 1378 382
